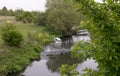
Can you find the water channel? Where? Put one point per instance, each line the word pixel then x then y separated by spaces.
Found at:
pixel 56 54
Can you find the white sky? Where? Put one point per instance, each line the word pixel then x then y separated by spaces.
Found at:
pixel 28 5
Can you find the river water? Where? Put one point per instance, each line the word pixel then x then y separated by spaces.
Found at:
pixel 56 54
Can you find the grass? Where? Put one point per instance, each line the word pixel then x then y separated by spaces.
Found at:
pixel 14 59
pixel 27 28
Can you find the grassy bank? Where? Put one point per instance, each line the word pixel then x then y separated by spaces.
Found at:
pixel 14 59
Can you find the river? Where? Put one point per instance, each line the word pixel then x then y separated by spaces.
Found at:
pixel 56 54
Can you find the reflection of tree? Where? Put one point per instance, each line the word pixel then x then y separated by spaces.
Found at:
pixel 56 61
pixel 67 42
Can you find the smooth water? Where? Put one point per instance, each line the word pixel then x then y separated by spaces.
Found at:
pixel 56 54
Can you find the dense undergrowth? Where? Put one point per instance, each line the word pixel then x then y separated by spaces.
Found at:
pixel 15 58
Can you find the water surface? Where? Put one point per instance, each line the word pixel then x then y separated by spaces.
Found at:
pixel 56 54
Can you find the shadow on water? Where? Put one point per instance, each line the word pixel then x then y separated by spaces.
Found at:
pixel 55 62
pixel 53 56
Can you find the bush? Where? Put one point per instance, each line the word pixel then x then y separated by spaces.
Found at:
pixel 41 19
pixel 29 17
pixel 19 17
pixel 26 17
pixel 11 36
pixel 67 70
pixel 27 20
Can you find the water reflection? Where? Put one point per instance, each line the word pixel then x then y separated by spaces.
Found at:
pixel 55 55
pixel 38 68
pixel 56 61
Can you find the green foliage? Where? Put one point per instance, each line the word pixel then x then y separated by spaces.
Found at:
pixel 15 59
pixel 5 12
pixel 28 17
pixel 67 70
pixel 82 49
pixel 19 17
pixel 104 25
pixel 25 17
pixel 18 11
pixel 41 19
pixel 89 72
pixel 62 17
pixel 45 38
pixel 11 36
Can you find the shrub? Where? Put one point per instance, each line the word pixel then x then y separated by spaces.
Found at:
pixel 41 19
pixel 19 17
pixel 67 70
pixel 29 19
pixel 45 38
pixel 11 36
pixel 24 21
pixel 26 17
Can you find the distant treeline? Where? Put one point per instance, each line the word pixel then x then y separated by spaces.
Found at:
pixel 20 14
pixel 5 12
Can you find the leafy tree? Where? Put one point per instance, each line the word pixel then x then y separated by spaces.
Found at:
pixel 4 11
pixel 104 25
pixel 25 17
pixel 11 12
pixel 36 16
pixel 4 8
pixel 62 17
pixel 28 16
pixel 41 20
pixel 19 11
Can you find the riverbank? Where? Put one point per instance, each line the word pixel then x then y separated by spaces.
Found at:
pixel 15 59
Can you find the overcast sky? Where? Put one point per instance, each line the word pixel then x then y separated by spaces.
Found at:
pixel 28 5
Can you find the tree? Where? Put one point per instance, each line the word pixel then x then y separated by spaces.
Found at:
pixel 41 19
pixel 4 11
pixel 104 25
pixel 28 16
pixel 25 17
pixel 62 17
pixel 19 11
pixel 4 8
pixel 11 12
